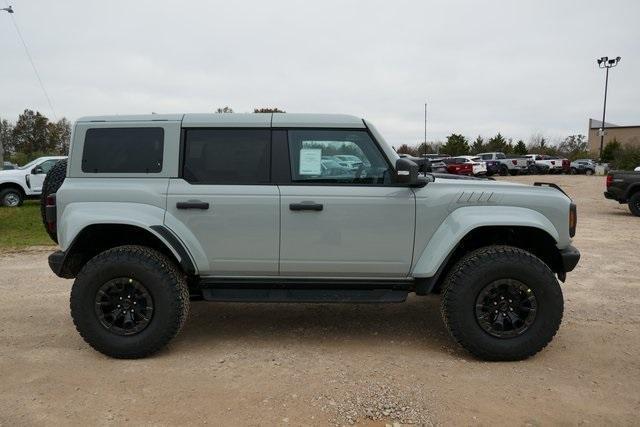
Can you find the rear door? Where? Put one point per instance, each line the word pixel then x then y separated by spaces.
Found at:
pixel 223 204
pixel 343 222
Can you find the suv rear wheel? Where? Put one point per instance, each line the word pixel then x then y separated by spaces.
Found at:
pixel 129 301
pixel 502 303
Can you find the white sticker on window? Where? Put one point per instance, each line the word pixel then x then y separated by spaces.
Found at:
pixel 310 161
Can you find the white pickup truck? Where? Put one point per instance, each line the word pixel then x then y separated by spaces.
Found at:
pixel 555 165
pixel 513 166
pixel 25 181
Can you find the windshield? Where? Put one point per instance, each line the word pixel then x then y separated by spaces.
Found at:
pixel 476 159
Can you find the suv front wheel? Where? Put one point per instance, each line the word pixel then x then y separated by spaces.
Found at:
pixel 129 301
pixel 502 303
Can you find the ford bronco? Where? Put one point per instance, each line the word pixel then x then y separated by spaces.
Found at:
pixel 153 211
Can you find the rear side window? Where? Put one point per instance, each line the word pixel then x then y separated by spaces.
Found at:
pixel 123 150
pixel 227 156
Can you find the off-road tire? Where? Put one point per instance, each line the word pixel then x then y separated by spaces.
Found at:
pixel 504 171
pixel 634 204
pixel 475 271
pixel 165 283
pixel 573 171
pixel 12 193
pixel 52 182
pixel 589 172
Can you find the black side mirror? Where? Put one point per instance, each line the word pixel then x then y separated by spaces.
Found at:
pixel 406 172
pixel 37 170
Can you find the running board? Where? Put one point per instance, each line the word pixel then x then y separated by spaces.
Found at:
pixel 304 290
pixel 303 295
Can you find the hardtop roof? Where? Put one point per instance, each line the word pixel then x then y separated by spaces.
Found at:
pixel 240 119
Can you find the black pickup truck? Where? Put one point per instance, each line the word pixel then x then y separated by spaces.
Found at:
pixel 624 186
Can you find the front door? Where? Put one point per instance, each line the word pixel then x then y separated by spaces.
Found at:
pixel 341 216
pixel 224 201
pixel 39 173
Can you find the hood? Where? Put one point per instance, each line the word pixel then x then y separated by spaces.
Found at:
pixel 12 173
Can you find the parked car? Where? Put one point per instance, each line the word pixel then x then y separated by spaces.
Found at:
pixel 437 165
pixel 508 165
pixel 624 187
pixel 349 161
pixel 637 169
pixel 8 166
pixel 458 166
pixel 545 163
pixel 153 210
pixel 479 166
pixel 25 181
pixel 585 166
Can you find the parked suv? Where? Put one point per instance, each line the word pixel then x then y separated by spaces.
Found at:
pixel 24 181
pixel 153 211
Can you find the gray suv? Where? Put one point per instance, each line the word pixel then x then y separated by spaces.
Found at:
pixel 154 211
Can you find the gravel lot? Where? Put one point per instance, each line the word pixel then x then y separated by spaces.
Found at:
pixel 317 364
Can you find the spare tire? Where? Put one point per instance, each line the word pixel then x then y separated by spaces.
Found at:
pixel 52 182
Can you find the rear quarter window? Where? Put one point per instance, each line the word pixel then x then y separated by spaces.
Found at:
pixel 123 150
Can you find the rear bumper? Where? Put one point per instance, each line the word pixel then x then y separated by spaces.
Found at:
pixel 570 257
pixel 56 262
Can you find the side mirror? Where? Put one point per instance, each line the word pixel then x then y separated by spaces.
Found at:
pixel 406 172
pixel 37 170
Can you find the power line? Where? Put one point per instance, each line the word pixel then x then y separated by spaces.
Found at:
pixel 33 65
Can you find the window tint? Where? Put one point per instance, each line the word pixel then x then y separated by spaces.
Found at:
pixel 123 150
pixel 336 156
pixel 227 156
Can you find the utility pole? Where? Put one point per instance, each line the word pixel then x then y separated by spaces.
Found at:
pixel 425 129
pixel 606 63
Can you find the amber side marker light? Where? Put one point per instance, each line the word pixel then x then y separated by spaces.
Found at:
pixel 573 219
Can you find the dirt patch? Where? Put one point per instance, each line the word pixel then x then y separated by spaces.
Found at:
pixel 322 364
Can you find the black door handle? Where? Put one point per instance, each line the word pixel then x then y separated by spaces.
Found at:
pixel 306 206
pixel 195 204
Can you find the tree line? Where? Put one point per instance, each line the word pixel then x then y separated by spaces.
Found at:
pixel 572 147
pixel 31 136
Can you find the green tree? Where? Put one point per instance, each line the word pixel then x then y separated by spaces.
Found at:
pixel 6 139
pixel 574 147
pixel 520 148
pixel 31 134
pixel 497 143
pixel 268 110
pixel 611 151
pixel 225 109
pixel 456 145
pixel 478 145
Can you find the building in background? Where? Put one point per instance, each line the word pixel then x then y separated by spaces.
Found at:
pixel 623 134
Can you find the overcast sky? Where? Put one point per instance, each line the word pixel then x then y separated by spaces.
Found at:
pixel 519 67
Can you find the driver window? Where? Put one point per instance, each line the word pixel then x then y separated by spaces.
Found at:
pixel 336 156
pixel 46 166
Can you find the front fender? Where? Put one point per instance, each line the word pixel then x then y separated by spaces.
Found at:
pixel 465 219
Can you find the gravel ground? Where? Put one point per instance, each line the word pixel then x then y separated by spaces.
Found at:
pixel 264 364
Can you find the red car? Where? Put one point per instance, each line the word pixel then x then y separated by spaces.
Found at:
pixel 458 166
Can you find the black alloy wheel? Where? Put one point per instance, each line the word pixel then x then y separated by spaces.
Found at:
pixel 505 308
pixel 124 306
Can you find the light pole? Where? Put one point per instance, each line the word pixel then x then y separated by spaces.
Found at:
pixel 7 9
pixel 606 63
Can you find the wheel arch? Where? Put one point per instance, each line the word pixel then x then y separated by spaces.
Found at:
pixel 99 237
pixel 14 185
pixel 633 189
pixel 470 228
